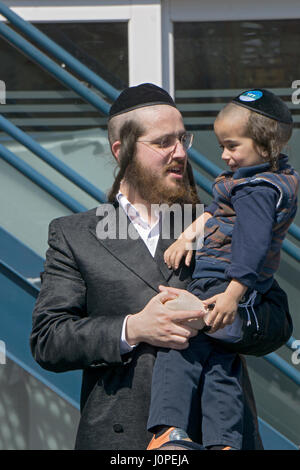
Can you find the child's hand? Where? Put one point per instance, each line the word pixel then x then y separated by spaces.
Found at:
pixel 177 251
pixel 223 313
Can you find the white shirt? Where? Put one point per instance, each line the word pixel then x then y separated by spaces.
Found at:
pixel 150 235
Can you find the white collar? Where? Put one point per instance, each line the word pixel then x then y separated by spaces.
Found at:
pixel 133 213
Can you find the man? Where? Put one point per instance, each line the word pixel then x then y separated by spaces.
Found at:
pixel 100 308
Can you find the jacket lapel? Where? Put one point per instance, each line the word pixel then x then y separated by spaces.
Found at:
pixel 163 244
pixel 117 235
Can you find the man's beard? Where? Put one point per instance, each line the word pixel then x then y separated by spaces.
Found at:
pixel 151 188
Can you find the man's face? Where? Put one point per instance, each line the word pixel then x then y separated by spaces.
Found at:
pixel 162 123
pixel 159 170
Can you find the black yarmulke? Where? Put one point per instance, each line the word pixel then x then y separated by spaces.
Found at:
pixel 265 102
pixel 140 96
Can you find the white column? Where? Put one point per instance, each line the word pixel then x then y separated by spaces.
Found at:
pixel 145 43
pixel 168 79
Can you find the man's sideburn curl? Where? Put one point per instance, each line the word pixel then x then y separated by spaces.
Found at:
pixel 130 131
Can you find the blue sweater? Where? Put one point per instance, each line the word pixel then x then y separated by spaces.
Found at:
pixel 252 210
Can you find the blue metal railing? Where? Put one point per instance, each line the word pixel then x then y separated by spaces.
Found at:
pixel 273 358
pixel 203 182
pixel 67 385
pixel 104 87
pixel 18 279
pixel 53 161
pixel 288 370
pixel 290 342
pixel 40 180
pixel 65 199
pixel 42 40
pixel 211 168
pixel 62 75
pixel 93 99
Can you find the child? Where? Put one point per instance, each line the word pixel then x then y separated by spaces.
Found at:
pixel 254 204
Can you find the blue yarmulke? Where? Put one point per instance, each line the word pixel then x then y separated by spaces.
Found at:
pixel 265 102
pixel 140 96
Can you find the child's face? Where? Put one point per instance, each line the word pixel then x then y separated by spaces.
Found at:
pixel 238 149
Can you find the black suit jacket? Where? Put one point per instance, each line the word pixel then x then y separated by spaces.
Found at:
pixel 88 286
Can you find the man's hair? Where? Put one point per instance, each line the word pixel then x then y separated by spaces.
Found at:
pixel 268 134
pixel 127 131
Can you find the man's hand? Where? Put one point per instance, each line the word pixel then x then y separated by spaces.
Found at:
pixel 223 313
pixel 159 326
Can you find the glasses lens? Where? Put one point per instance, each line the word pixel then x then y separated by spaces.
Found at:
pixel 187 140
pixel 167 142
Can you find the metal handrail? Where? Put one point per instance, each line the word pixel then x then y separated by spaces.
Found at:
pixel 43 182
pixel 40 180
pixel 49 158
pixel 83 91
pixel 18 279
pixel 211 168
pixel 92 98
pixel 62 75
pixel 288 370
pixel 203 182
pixel 291 249
pixel 21 281
pixel 290 342
pixel 87 74
pixel 40 38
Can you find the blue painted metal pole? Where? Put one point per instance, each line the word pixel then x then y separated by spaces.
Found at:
pixel 40 38
pixel 294 230
pixel 291 249
pixel 284 367
pixel 58 72
pixel 204 163
pixel 40 180
pixel 293 343
pixel 18 279
pixel 203 182
pixel 53 161
pixel 96 101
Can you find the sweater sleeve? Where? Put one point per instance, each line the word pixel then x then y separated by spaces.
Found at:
pixel 211 208
pixel 255 209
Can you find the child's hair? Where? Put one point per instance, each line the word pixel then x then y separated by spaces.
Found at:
pixel 269 135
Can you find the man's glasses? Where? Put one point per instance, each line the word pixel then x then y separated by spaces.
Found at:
pixel 169 142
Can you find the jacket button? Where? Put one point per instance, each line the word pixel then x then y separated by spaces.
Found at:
pixel 118 427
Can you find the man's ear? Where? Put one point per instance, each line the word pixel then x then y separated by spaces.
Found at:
pixel 115 148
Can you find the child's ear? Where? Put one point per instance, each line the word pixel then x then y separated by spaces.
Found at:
pixel 264 153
